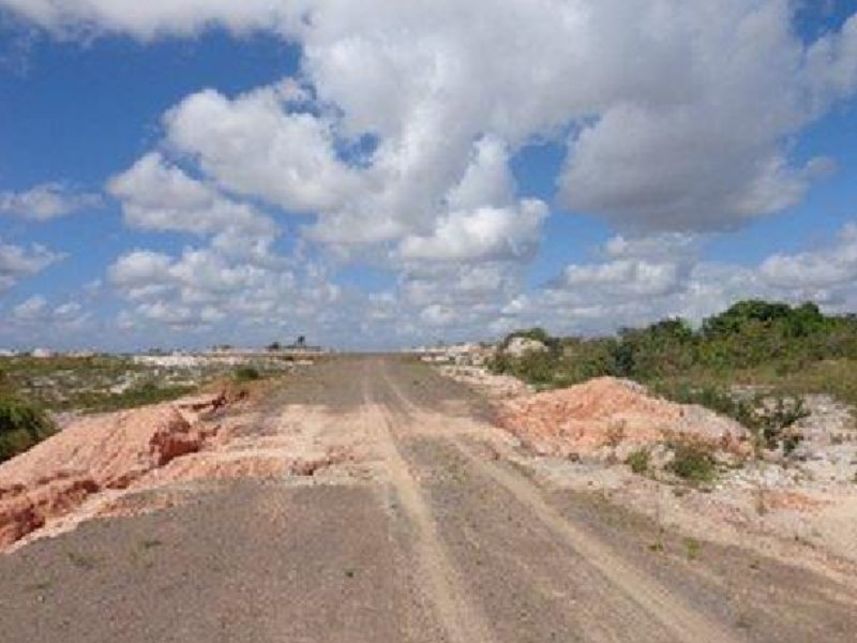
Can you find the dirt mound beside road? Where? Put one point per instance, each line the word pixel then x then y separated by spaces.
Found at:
pixel 106 452
pixel 610 412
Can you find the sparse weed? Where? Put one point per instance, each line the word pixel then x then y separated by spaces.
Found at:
pixel 81 561
pixel 246 374
pixel 743 622
pixel 40 586
pixel 693 462
pixel 151 543
pixel 639 461
pixel 657 546
pixel 759 500
pixel 693 548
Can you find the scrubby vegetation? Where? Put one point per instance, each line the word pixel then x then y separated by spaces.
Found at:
pixel 140 394
pixel 246 374
pixel 693 463
pixel 639 461
pixel 96 383
pixel 112 382
pixel 21 426
pixel 775 351
pixel 32 388
pixel 767 415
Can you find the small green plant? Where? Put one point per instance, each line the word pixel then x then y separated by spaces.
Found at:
pixel 81 561
pixel 151 543
pixel 639 461
pixel 743 621
pixel 657 546
pixel 693 463
pixel 40 586
pixel 693 547
pixel 246 374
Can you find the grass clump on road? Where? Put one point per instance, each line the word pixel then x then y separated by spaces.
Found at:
pixel 21 427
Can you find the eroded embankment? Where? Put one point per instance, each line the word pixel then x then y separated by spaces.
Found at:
pixel 107 452
pixel 93 466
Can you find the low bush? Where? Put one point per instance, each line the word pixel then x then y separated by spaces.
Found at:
pixel 693 463
pixel 772 419
pixel 639 461
pixel 246 374
pixel 21 427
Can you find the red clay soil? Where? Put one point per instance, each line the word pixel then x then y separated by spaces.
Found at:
pixel 610 412
pixel 110 451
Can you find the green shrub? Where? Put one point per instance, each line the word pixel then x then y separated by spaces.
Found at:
pixel 772 420
pixel 21 427
pixel 751 334
pixel 639 461
pixel 246 374
pixel 693 462
pixel 692 547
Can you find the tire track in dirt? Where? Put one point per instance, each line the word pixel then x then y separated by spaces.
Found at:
pixel 462 621
pixel 649 594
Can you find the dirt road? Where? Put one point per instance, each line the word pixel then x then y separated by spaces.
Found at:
pixel 425 533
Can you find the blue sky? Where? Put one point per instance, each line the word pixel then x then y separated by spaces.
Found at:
pixel 182 178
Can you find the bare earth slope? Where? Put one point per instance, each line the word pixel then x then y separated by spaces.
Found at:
pixel 397 515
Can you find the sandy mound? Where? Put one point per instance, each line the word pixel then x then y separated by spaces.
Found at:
pixel 609 412
pixel 106 452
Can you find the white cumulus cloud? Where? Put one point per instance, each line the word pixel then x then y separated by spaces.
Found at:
pixel 394 144
pixel 46 201
pixel 17 262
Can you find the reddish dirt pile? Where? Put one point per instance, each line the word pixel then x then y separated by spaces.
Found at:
pixel 609 412
pixel 107 452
